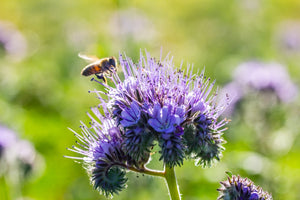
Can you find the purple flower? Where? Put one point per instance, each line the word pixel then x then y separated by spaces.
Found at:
pixel 7 139
pixel 155 100
pixel 163 120
pixel 167 120
pixel 132 24
pixel 130 116
pixel 137 143
pixel 102 155
pixel 172 147
pixel 288 36
pixel 236 188
pixel 259 76
pixel 13 42
pixel 203 140
pixel 266 76
pixel 17 155
pixel 155 104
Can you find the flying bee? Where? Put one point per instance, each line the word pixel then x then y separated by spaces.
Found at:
pixel 100 67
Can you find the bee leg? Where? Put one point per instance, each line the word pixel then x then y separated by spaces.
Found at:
pixel 101 77
pixel 108 69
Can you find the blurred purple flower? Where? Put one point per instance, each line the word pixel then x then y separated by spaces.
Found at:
pixel 12 41
pixel 288 36
pixel 8 138
pixel 164 120
pixel 132 24
pixel 79 33
pixel 250 5
pixel 17 155
pixel 259 76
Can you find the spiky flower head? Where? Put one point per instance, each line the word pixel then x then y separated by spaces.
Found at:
pixel 237 188
pixel 158 103
pixel 100 144
pixel 154 104
pixel 265 77
pixel 7 138
pixel 17 156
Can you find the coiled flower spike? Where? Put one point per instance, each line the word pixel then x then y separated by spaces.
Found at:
pixel 154 104
pixel 103 157
pixel 237 188
pixel 167 100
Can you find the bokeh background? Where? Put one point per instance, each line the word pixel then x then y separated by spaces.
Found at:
pixel 42 92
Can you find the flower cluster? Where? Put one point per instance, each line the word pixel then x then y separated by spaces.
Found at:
pixel 101 147
pixel 254 76
pixel 16 155
pixel 236 188
pixel 156 104
pixel 12 41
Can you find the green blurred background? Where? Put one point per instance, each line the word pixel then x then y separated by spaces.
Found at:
pixel 42 92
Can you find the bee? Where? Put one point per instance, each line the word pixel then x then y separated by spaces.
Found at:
pixel 100 67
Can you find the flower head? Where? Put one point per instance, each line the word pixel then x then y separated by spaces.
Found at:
pixel 130 115
pixel 236 188
pixel 103 157
pixel 165 119
pixel 157 102
pixel 254 76
pixel 7 139
pixel 154 104
pixel 16 155
pixel 12 41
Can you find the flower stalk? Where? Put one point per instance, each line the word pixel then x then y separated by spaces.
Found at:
pixel 171 180
pixel 148 171
pixel 168 174
pixel 155 104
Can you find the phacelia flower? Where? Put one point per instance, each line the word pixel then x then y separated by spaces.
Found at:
pixel 256 76
pixel 154 104
pixel 131 115
pixel 103 157
pixel 288 36
pixel 12 41
pixel 132 24
pixel 156 100
pixel 167 121
pixel 16 155
pixel 163 120
pixel 237 188
pixel 7 139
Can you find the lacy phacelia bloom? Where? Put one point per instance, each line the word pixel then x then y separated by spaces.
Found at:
pixel 259 76
pixel 155 104
pixel 288 36
pixel 8 138
pixel 236 188
pixel 103 157
pixel 16 155
pixel 12 41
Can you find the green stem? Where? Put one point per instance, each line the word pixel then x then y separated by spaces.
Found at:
pixel 168 174
pixel 172 183
pixel 147 171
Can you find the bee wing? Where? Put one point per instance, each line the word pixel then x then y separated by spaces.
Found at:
pixel 88 57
